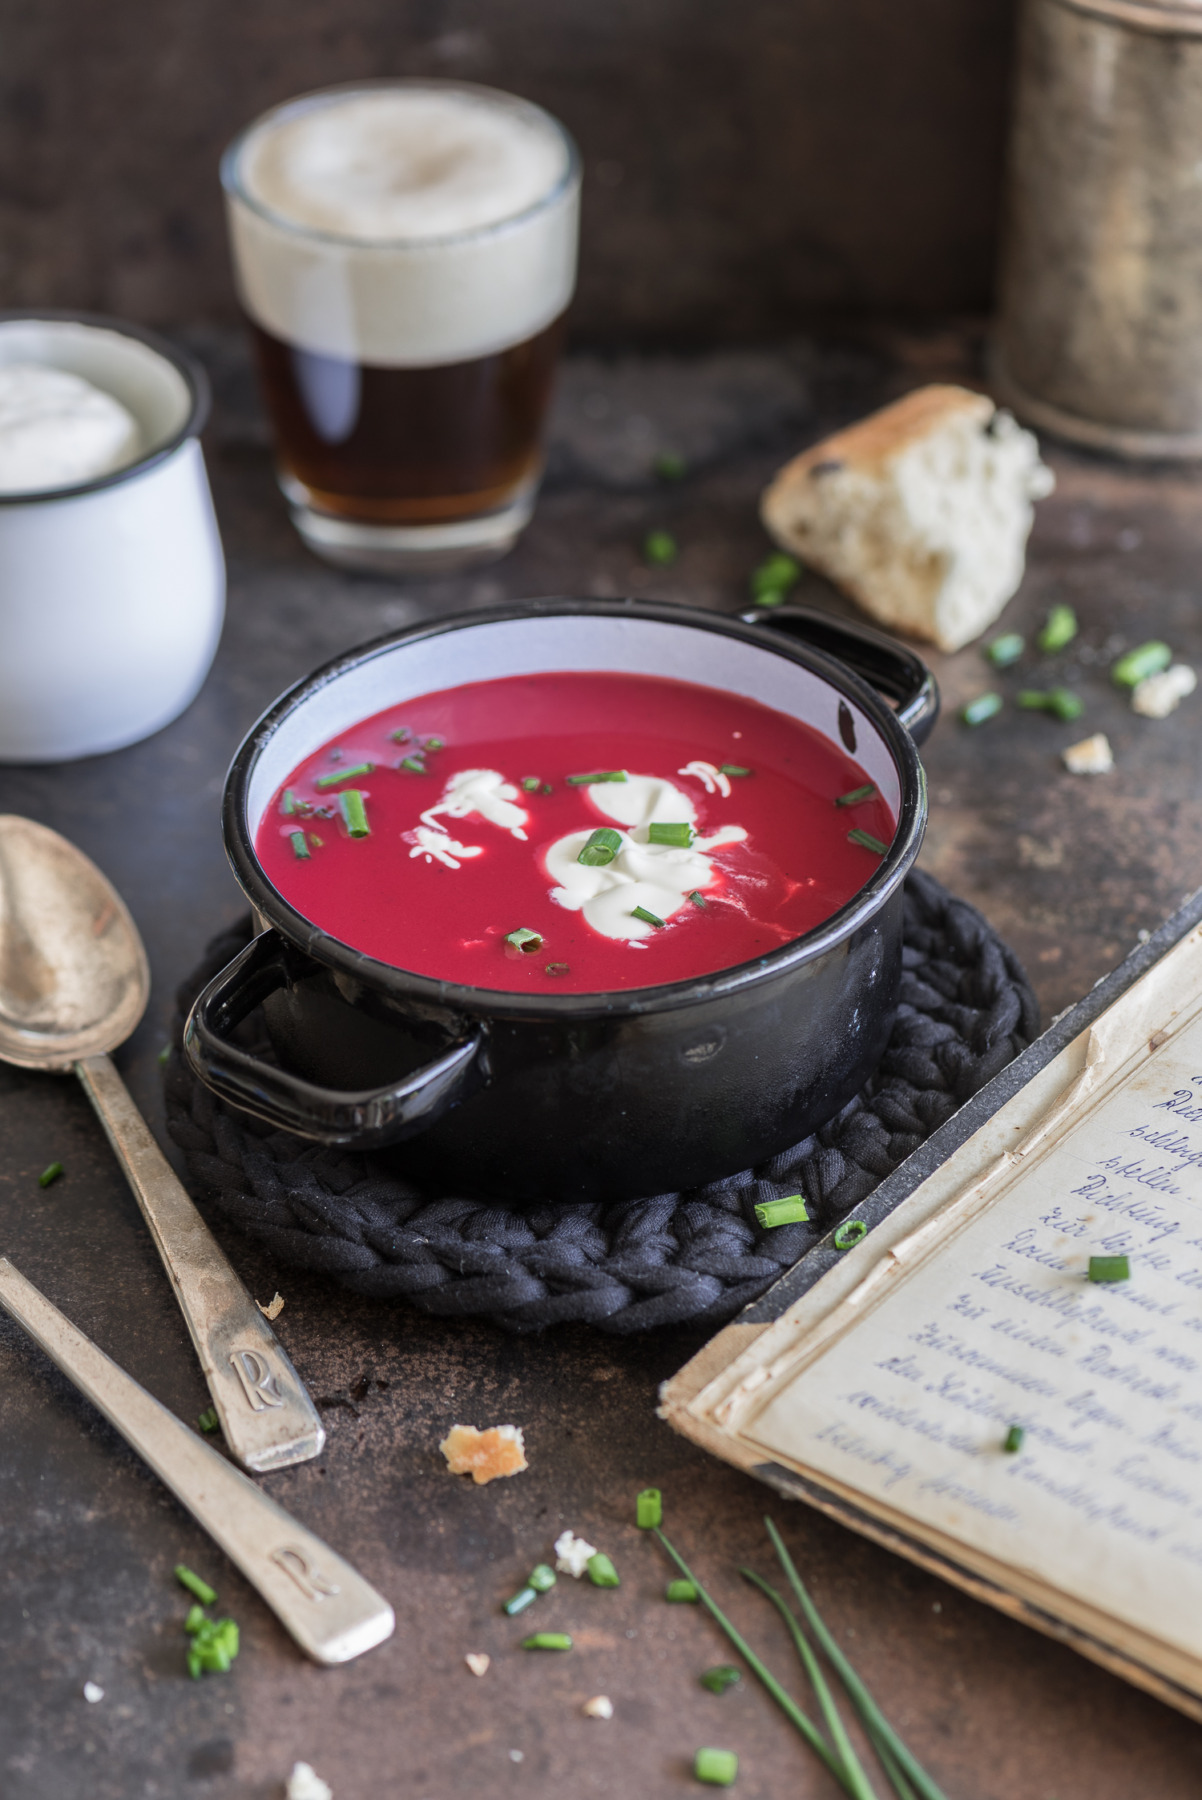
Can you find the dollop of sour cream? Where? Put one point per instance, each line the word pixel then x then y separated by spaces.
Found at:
pixel 657 877
pixel 482 791
pixel 57 430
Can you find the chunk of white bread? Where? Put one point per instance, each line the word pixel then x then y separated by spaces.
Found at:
pixel 921 512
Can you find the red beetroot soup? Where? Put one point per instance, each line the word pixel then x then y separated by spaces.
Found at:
pixel 459 835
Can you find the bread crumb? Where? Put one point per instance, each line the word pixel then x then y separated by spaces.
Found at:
pixel 477 1661
pixel 572 1554
pixel 1156 696
pixel 1092 756
pixel 599 1707
pixel 921 512
pixel 273 1309
pixel 484 1455
pixel 92 1693
pixel 305 1784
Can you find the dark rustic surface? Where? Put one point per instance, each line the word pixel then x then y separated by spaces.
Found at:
pixel 746 166
pixel 1069 870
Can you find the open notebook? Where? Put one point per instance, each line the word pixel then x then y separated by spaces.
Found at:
pixel 881 1384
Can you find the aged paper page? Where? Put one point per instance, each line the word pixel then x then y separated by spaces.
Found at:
pixel 1001 1327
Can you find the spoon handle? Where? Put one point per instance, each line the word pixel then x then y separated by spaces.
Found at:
pixel 267 1416
pixel 327 1606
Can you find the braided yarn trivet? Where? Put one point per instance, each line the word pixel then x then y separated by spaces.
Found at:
pixel 966 1010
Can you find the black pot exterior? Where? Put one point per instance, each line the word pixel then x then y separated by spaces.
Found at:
pixel 573 1096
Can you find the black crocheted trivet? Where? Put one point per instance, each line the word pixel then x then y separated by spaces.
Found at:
pixel 966 1010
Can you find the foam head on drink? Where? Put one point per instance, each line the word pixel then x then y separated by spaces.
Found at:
pixel 406 226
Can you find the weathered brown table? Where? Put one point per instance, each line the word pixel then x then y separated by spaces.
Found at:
pixel 1069 869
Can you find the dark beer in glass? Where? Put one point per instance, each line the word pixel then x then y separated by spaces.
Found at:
pixel 405 252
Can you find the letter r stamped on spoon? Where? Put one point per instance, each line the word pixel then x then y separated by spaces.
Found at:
pixel 73 984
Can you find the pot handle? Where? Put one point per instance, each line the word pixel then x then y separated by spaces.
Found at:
pixel 882 662
pixel 369 1118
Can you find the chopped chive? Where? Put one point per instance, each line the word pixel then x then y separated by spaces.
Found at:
pixel 1060 629
pixel 541 1578
pixel 1005 650
pixel 789 1211
pixel 866 841
pixel 985 706
pixel 1014 1439
pixel 50 1173
pixel 531 783
pixel 717 1767
pixel 849 1233
pixel 660 548
pixel 201 1589
pixel 649 1509
pixel 718 1679
pixel 164 1056
pixel 601 775
pixel 314 839
pixel 670 466
pixel 329 781
pixel 288 802
pixel 1138 664
pixel 400 735
pixel 354 813
pixel 414 764
pixel 648 918
pixel 698 898
pixel 732 769
pixel 601 1571
pixel 526 941
pixel 601 848
pixel 772 581
pixel 300 848
pixel 889 1746
pixel 681 1593
pixel 547 1640
pixel 679 836
pixel 208 1420
pixel 521 1600
pixel 435 743
pixel 787 1704
pixel 557 969
pixel 547 788
pixel 1061 702
pixel 196 1619
pixel 857 794
pixel 1109 1268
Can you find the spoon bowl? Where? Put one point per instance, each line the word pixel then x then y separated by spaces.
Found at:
pixel 74 980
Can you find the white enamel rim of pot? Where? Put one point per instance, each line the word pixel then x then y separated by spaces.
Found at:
pixel 636 637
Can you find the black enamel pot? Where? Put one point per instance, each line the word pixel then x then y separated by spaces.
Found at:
pixel 527 1096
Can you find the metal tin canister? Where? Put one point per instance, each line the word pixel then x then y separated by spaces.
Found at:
pixel 1099 334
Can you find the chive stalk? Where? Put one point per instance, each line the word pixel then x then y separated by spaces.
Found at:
pixel 849 1233
pixel 717 1768
pixel 547 1640
pixel 787 1704
pixel 413 764
pixel 718 1679
pixel 985 706
pixel 601 1571
pixel 1061 702
pixel 735 769
pixel 1005 650
pixel 557 969
pixel 775 579
pixel 1014 1440
pixel 648 918
pixel 601 848
pixel 288 803
pixel 541 1578
pixel 698 898
pixel 50 1173
pixel 337 775
pixel 520 1601
pixel 524 940
pixel 300 847
pixel 400 735
pixel 600 775
pixel 208 1420
pixel 790 1210
pixel 354 813
pixel 670 466
pixel 531 783
pixel 857 1782
pixel 871 1716
pixel 681 1593
pixel 660 548
pixel 857 795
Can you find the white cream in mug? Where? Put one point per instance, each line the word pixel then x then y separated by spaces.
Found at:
pixel 57 430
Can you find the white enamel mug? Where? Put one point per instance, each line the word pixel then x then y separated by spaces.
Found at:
pixel 112 592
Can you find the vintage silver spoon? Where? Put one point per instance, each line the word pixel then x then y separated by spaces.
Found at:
pixel 73 984
pixel 331 1611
